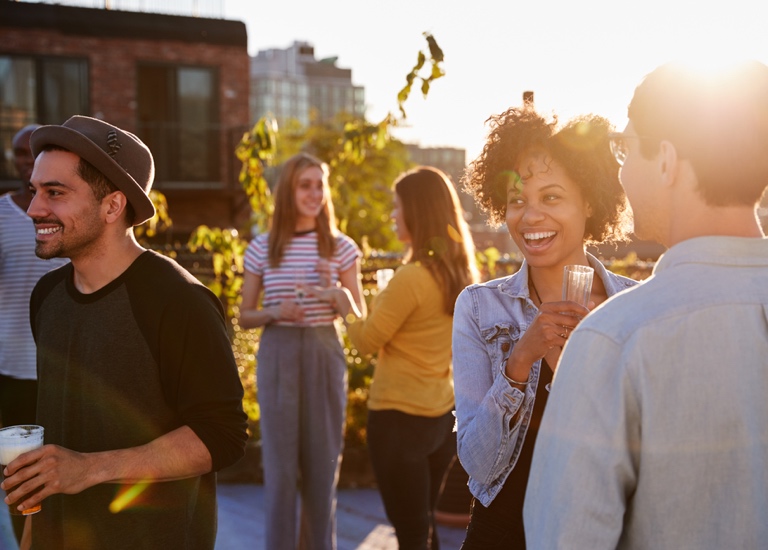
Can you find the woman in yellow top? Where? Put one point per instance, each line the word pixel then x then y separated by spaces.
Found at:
pixel 410 419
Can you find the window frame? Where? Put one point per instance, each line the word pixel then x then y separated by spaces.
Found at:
pixel 213 179
pixel 40 113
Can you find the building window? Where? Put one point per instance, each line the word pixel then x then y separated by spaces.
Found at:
pixel 178 121
pixel 42 90
pixel 360 101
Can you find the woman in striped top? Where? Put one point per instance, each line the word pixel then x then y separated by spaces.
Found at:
pixel 301 369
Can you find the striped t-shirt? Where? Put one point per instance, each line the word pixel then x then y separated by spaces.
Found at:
pixel 20 270
pixel 298 265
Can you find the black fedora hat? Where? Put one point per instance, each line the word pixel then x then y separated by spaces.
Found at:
pixel 119 155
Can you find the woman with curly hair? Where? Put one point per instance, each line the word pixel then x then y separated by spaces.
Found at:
pixel 558 191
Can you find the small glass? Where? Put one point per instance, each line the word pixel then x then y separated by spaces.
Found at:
pixel 577 283
pixel 300 281
pixel 383 276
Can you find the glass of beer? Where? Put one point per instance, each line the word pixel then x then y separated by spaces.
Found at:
pixel 15 441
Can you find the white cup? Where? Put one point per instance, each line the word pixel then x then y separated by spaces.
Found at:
pixel 577 283
pixel 383 276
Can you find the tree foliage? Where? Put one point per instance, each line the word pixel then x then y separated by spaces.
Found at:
pixel 360 185
pixel 227 251
pixel 257 149
pixel 364 160
pixel 160 222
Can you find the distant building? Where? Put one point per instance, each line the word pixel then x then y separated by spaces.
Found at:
pixel 180 83
pixel 452 161
pixel 291 83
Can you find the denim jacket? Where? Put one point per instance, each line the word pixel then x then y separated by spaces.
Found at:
pixel 489 320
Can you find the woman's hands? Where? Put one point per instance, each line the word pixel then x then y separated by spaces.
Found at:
pixel 341 297
pixel 338 296
pixel 545 337
pixel 288 310
pixel 293 311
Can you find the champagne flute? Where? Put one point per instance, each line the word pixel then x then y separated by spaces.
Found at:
pixel 300 280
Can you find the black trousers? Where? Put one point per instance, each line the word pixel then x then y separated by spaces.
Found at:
pixel 410 457
pixel 498 527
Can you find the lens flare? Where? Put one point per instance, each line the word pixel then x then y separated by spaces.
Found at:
pixel 127 496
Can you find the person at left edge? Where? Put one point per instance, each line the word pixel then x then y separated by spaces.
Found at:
pixel 139 393
pixel 20 269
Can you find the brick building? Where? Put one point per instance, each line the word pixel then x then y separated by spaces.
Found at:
pixel 179 83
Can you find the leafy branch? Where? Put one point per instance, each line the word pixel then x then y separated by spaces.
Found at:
pixel 158 223
pixel 256 150
pixel 435 71
pixel 361 134
pixel 227 251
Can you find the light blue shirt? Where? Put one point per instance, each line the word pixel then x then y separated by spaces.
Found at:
pixel 489 320
pixel 656 431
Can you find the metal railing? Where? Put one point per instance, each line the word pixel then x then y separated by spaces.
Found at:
pixel 213 9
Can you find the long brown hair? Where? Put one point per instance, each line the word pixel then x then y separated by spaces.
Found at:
pixel 440 238
pixel 283 226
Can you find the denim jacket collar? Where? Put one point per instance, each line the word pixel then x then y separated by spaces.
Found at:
pixel 517 287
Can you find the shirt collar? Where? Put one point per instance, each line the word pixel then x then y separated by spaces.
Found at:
pixel 716 250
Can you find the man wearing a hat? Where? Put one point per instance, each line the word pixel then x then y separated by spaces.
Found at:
pixel 20 270
pixel 139 393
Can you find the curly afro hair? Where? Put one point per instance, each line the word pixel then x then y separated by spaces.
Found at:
pixel 581 148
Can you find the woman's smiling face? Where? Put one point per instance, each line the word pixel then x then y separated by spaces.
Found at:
pixel 546 213
pixel 310 194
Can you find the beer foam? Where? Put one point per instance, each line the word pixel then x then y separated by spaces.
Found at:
pixel 17 440
pixel 14 432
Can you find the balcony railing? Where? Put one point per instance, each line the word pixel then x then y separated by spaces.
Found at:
pixel 213 9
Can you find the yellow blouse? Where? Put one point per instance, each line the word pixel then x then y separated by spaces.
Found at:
pixel 411 331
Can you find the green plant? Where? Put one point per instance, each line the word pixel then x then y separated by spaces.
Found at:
pixel 257 149
pixel 159 223
pixel 360 194
pixel 227 251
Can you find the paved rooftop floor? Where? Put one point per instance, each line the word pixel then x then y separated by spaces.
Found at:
pixel 361 522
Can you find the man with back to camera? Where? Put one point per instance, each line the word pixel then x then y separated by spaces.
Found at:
pixel 139 393
pixel 656 431
pixel 20 270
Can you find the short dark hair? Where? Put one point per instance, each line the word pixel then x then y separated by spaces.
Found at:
pixel 100 185
pixel 718 121
pixel 581 148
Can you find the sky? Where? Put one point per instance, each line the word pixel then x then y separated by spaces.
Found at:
pixel 577 57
